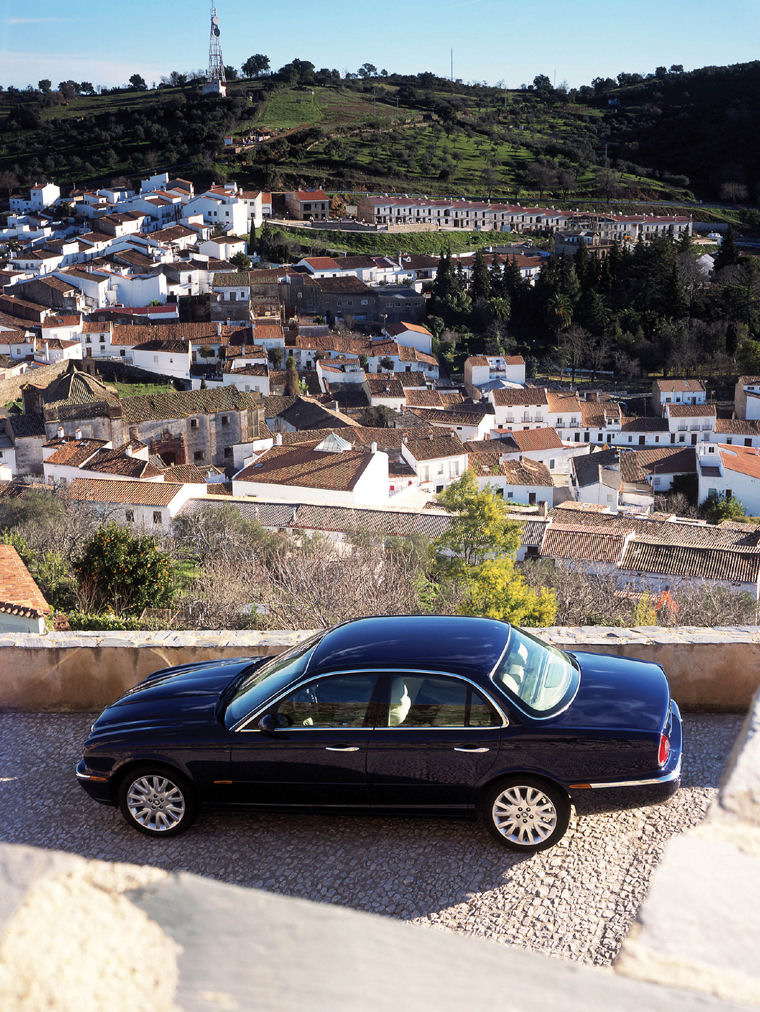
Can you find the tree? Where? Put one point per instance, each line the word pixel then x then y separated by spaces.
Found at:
pixel 255 65
pixel 482 538
pixel 722 507
pixel 386 363
pixel 138 82
pixel 87 88
pixel 231 73
pixel 68 89
pixel 727 254
pixel 252 237
pixel 379 417
pixel 275 357
pixel 125 572
pixel 291 377
pixel 480 528
pixel 497 591
pixel 242 261
pixel 45 85
pixel 368 70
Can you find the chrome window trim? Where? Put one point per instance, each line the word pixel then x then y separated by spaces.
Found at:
pixel 242 724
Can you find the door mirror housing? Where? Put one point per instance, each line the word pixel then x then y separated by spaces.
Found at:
pixel 267 724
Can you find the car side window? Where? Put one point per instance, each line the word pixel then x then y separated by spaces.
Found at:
pixel 437 701
pixel 340 701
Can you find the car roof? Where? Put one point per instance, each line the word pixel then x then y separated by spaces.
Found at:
pixel 434 642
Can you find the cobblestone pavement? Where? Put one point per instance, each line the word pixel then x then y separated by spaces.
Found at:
pixel 576 900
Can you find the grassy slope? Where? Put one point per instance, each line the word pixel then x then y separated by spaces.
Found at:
pixel 388 244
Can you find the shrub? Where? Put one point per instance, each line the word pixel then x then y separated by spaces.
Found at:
pixel 124 572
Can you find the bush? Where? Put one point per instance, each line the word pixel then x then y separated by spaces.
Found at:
pixel 124 572
pixel 106 622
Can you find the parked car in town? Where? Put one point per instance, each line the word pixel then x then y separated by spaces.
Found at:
pixel 419 714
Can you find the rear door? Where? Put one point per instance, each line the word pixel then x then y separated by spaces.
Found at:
pixel 317 755
pixel 436 740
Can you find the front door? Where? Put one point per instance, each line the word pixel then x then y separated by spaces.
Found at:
pixel 436 741
pixel 318 753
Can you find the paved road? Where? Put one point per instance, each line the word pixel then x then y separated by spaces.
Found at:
pixel 575 900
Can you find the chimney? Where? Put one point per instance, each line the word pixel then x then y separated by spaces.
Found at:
pixel 373 447
pixel 128 450
pixel 278 439
pixel 59 433
pixel 543 508
pixel 77 434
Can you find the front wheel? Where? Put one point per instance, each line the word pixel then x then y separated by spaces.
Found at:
pixel 526 814
pixel 157 801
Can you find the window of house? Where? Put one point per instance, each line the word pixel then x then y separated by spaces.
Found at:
pixel 228 451
pixel 129 515
pixel 729 440
pixel 551 464
pixel 728 493
pixel 193 423
pixel 748 442
pixel 123 353
pixel 509 494
pixel 225 420
pixel 156 516
pixel 198 455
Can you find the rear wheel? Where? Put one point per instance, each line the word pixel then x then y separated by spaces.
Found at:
pixel 157 801
pixel 526 814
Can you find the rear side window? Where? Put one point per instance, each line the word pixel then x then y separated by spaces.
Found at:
pixel 437 701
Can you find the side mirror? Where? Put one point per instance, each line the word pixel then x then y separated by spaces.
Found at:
pixel 267 724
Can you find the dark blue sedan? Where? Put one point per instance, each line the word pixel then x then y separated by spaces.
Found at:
pixel 414 713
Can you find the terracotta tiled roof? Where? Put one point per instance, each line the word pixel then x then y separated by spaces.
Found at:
pixel 536 439
pixel 477 360
pixel 73 452
pixel 560 403
pixel 519 396
pixel 436 447
pixel 725 426
pixel 118 461
pixel 690 410
pixel 109 490
pixel 303 465
pixel 450 416
pixel 583 544
pixel 526 472
pixel 423 398
pixel 385 386
pixel 642 424
pixel 638 465
pixel 742 459
pixel 691 562
pixel 183 403
pixel 394 329
pixel 672 386
pixel 19 594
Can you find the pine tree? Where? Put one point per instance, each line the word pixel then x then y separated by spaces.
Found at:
pixel 728 252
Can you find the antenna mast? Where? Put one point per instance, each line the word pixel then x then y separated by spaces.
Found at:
pixel 215 80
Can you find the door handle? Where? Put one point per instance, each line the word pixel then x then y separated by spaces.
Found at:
pixel 467 748
pixel 341 748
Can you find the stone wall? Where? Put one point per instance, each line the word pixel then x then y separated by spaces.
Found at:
pixel 711 669
pixel 10 389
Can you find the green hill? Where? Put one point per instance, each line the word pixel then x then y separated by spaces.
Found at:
pixel 669 136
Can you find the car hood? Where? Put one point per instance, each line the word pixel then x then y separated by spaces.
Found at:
pixel 618 692
pixel 186 694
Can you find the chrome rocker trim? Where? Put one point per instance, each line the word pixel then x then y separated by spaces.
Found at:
pixel 667 778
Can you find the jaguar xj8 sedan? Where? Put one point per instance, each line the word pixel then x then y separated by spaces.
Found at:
pixel 420 714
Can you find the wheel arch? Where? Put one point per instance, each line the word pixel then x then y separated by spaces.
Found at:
pixel 496 778
pixel 130 765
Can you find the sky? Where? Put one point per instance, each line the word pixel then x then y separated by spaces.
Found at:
pixel 509 41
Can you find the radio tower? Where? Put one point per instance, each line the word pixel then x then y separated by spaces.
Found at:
pixel 215 81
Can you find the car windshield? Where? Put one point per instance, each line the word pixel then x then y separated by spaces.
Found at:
pixel 540 677
pixel 265 681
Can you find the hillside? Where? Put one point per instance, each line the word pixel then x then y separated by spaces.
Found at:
pixel 675 136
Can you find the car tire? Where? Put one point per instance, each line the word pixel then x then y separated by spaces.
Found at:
pixel 525 813
pixel 157 801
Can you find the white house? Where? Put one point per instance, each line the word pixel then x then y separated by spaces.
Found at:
pixel 519 481
pixel 519 407
pixel 677 391
pixel 690 423
pixel 144 505
pixel 328 472
pixel 40 196
pixel 169 358
pixel 410 335
pixel 437 461
pixel 480 371
pixel 731 471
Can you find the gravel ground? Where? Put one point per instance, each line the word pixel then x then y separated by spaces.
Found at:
pixel 575 900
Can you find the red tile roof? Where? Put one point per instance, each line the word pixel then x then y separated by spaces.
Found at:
pixel 19 594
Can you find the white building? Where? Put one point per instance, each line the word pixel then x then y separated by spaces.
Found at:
pixel 327 472
pixel 410 335
pixel 144 505
pixel 437 461
pixel 677 391
pixel 730 471
pixel 40 196
pixel 519 407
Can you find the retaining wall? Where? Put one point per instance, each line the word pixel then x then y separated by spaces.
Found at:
pixel 710 669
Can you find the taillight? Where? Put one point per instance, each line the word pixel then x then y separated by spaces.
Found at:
pixel 664 751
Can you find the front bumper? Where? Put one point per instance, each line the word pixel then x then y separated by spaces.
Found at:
pixel 96 784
